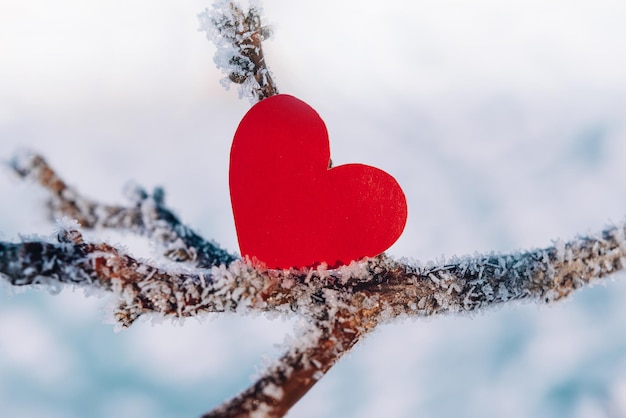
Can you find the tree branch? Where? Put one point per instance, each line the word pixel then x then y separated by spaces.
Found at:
pixel 342 305
pixel 148 216
pixel 238 37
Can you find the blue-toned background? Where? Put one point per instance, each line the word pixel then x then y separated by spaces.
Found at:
pixel 504 121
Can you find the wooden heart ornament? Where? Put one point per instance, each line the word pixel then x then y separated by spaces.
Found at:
pixel 290 208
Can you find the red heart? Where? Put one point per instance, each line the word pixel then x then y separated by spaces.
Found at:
pixel 290 209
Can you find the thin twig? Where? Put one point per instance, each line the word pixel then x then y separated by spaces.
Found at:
pixel 147 216
pixel 238 36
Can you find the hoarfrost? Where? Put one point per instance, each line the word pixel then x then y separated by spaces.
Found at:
pixel 273 391
pixel 263 411
pixel 318 375
pixel 65 223
pixel 559 245
pixel 237 36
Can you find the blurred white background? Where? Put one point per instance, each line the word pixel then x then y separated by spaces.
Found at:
pixel 504 121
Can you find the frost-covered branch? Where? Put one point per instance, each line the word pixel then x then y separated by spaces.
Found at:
pixel 147 215
pixel 238 36
pixel 458 284
pixel 341 305
pixel 315 351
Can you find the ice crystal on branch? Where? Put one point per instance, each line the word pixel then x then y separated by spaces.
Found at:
pixel 238 36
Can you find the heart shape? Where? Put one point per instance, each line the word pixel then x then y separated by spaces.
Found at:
pixel 290 208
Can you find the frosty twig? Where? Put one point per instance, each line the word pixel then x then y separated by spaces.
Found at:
pixel 147 216
pixel 290 377
pixel 238 36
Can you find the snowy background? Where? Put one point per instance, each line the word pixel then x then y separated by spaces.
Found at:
pixel 504 121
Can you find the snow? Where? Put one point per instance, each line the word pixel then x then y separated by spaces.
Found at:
pixel 503 122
